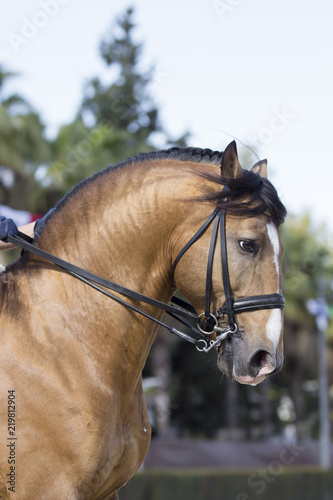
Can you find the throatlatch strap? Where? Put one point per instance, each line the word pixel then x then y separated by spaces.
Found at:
pixel 194 238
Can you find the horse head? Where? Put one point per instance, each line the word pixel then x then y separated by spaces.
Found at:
pixel 252 348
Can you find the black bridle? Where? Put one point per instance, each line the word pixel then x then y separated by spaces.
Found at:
pixel 207 324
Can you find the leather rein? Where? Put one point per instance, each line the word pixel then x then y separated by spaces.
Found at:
pixel 207 324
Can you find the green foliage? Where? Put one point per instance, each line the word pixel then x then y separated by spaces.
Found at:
pixel 308 255
pixel 80 151
pixel 22 148
pixel 115 121
pixel 126 102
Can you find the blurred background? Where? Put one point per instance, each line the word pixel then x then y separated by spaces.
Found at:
pixel 87 84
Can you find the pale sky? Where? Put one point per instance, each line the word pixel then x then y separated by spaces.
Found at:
pixel 259 70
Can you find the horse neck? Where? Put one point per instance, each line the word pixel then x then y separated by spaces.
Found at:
pixel 126 232
pixel 117 229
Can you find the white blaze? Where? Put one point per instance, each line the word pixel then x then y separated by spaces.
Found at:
pixel 274 239
pixel 274 323
pixel 274 326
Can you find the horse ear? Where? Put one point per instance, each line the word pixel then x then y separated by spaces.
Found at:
pixel 260 168
pixel 230 166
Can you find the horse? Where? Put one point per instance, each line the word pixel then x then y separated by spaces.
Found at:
pixel 73 419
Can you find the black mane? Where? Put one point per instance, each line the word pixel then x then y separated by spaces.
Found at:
pixel 197 155
pixel 248 196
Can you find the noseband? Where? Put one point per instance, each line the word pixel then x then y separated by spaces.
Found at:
pixel 207 324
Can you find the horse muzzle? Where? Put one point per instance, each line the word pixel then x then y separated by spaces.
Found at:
pixel 245 364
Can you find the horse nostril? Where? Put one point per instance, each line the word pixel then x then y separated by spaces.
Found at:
pixel 259 359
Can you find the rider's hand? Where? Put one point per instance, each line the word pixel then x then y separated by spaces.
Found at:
pixel 7 228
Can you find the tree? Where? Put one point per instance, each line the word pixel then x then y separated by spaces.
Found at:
pixel 126 103
pixel 78 151
pixel 22 148
pixel 115 120
pixel 308 255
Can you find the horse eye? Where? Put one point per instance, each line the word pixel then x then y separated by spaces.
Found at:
pixel 247 245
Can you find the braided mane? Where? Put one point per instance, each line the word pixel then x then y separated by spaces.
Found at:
pixel 263 196
pixel 250 195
